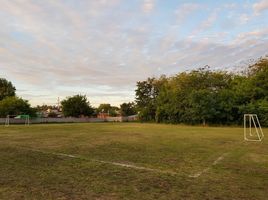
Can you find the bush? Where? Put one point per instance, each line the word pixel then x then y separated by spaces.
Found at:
pixel 6 89
pixel 15 106
pixel 76 106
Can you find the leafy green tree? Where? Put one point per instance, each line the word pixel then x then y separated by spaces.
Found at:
pixel 76 106
pixel 259 65
pixel 15 106
pixel 114 111
pixel 107 108
pixel 205 96
pixel 226 107
pixel 6 89
pixel 127 109
pixel 202 106
pixel 146 97
pixel 168 107
pixel 45 107
pixel 259 79
pixel 104 108
pixel 262 106
pixel 192 97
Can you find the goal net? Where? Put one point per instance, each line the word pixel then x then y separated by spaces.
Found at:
pixel 24 119
pixel 252 128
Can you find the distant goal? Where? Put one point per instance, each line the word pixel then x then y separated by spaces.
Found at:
pixel 252 128
pixel 17 119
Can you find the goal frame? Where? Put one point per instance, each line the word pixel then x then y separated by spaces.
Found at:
pixel 26 123
pixel 252 118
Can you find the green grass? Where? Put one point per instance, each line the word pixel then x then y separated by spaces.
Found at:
pixel 30 167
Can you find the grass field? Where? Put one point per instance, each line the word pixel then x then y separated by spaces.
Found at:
pixel 131 161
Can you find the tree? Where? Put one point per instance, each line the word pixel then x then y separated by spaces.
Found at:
pixel 146 97
pixel 76 106
pixel 6 89
pixel 15 106
pixel 52 114
pixel 45 107
pixel 104 108
pixel 259 79
pixel 127 109
pixel 205 96
pixel 203 106
pixel 107 108
pixel 191 97
pixel 114 111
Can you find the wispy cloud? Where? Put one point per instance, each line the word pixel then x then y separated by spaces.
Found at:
pixel 148 6
pixel 260 6
pixel 244 18
pixel 185 10
pixel 101 48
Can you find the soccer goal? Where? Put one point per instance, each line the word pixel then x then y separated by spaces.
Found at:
pixel 21 118
pixel 252 128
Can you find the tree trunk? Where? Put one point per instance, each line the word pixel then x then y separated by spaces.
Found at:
pixel 204 122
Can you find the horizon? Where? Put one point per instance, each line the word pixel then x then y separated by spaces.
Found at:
pixel 101 49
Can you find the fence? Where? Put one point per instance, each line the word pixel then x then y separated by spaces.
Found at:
pixel 69 120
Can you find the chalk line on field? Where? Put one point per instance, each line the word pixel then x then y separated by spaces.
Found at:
pixel 215 162
pixel 105 162
pixel 136 167
pixel 124 165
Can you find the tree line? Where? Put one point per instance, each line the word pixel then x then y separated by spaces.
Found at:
pixel 74 106
pixel 201 96
pixel 78 105
pixel 205 96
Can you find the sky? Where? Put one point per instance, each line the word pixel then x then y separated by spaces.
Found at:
pixel 101 48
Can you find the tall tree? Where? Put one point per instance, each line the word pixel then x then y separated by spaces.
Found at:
pixel 104 108
pixel 15 106
pixel 6 89
pixel 76 106
pixel 127 109
pixel 107 108
pixel 203 106
pixel 259 79
pixel 146 97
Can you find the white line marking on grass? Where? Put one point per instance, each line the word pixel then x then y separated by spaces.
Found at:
pixel 135 167
pixel 105 162
pixel 64 155
pixel 208 168
pixel 199 173
pixel 219 159
pixel 45 152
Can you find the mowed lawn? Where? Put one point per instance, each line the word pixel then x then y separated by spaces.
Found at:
pixel 131 161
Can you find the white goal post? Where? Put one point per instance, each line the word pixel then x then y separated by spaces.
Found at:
pixel 25 117
pixel 252 128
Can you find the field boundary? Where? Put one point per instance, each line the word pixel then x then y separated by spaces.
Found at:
pixel 215 162
pixel 70 120
pixel 119 164
pixel 126 165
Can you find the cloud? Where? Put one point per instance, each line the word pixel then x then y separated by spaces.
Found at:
pixel 148 6
pixel 230 5
pixel 51 49
pixel 260 6
pixel 244 18
pixel 206 24
pixel 255 34
pixel 209 21
pixel 185 10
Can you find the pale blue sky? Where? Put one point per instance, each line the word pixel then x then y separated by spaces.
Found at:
pixel 51 49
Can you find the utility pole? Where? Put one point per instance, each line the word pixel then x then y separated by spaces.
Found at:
pixel 58 103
